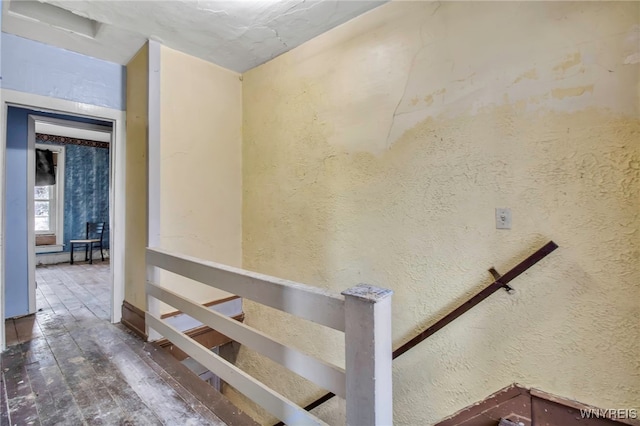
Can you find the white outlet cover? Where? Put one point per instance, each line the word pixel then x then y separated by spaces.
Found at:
pixel 503 218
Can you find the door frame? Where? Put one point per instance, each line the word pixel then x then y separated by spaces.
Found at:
pixel 117 184
pixel 31 146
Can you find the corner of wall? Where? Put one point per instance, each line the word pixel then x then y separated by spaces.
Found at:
pixel 137 99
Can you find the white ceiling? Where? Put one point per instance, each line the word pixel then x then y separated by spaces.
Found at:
pixel 237 35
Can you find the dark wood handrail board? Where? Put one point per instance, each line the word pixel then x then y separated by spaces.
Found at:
pixel 479 297
pixel 501 282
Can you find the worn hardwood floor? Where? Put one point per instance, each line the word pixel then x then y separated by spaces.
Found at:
pixel 67 365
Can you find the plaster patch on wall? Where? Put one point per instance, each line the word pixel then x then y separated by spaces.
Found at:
pixel 561 93
pixel 474 78
pixel 470 93
pixel 632 59
pixel 475 72
pixel 531 74
pixel 571 61
pixel 429 98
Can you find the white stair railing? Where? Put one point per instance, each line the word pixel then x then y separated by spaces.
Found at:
pixel 362 312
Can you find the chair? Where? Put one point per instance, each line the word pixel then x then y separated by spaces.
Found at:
pixel 93 239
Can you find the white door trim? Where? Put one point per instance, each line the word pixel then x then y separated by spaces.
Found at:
pixel 117 204
pixel 31 231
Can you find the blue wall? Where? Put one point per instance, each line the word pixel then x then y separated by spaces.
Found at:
pixel 1 124
pixel 15 261
pixel 41 69
pixel 16 240
pixel 37 68
pixel 86 189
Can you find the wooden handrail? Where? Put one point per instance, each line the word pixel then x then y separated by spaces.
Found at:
pixel 311 303
pixel 501 282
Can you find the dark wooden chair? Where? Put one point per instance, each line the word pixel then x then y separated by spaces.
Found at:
pixel 94 238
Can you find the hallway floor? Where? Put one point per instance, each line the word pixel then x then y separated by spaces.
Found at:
pixel 68 365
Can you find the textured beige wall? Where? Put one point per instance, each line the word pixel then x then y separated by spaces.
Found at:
pixel 136 175
pixel 377 153
pixel 201 173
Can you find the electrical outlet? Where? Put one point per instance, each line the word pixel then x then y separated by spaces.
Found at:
pixel 503 218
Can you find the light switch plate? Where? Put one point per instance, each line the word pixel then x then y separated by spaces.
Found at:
pixel 503 218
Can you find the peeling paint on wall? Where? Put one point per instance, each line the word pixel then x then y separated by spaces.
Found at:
pixel 632 59
pixel 377 153
pixel 561 93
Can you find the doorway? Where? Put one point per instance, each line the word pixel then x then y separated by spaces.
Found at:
pixel 81 195
pixel 18 256
pixel 71 163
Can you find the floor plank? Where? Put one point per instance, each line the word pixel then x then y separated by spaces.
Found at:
pixel 4 406
pixel 112 380
pixel 68 365
pixel 20 396
pixel 54 398
pixel 92 398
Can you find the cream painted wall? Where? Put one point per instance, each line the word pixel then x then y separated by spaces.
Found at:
pixel 201 172
pixel 136 177
pixel 377 153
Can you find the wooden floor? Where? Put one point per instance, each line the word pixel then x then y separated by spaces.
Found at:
pixel 68 365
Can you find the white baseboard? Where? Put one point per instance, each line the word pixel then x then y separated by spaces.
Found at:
pixel 55 258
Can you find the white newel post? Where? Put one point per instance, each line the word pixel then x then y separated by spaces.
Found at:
pixel 368 356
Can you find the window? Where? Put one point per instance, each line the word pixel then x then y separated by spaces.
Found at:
pixel 49 206
pixel 45 199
